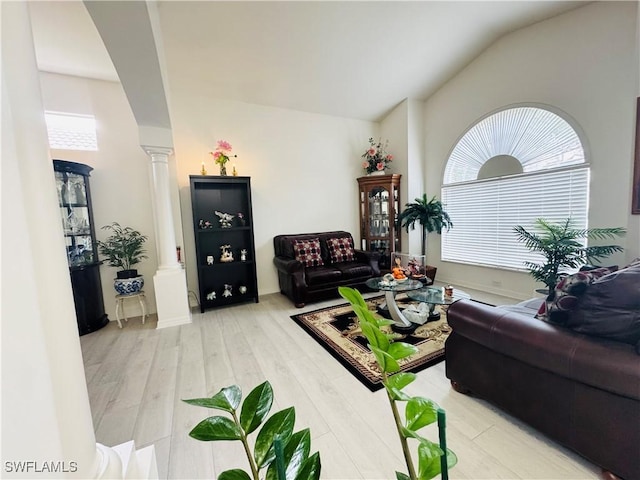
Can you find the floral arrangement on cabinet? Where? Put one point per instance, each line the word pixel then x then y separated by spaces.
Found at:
pixel 376 158
pixel 222 154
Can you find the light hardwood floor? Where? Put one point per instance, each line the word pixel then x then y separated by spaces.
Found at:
pixel 137 376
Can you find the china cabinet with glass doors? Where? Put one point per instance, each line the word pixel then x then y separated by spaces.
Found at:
pixel 74 201
pixel 379 197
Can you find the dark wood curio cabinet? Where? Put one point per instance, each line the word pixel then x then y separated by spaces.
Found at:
pixel 379 205
pixel 74 201
pixel 225 248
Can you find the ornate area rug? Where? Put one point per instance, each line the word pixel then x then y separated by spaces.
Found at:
pixel 336 329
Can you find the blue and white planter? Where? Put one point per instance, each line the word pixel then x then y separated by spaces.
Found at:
pixel 128 286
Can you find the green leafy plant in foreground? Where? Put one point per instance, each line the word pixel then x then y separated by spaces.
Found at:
pixel 283 453
pixel 418 411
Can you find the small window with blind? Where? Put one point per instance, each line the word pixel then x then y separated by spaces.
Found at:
pixel 508 169
pixel 68 131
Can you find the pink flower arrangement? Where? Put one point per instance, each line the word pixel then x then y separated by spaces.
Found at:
pixel 376 156
pixel 222 154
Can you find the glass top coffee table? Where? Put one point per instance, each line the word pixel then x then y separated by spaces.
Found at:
pixel 391 289
pixel 433 296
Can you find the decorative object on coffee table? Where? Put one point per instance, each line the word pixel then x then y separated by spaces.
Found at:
pixel 413 266
pixel 336 329
pixel 434 296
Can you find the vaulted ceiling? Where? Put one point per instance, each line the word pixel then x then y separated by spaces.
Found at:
pixel 351 59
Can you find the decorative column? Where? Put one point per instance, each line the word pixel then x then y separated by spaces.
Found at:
pixel 170 281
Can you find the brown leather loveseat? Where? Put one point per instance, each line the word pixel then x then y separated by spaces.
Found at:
pixel 581 390
pixel 312 266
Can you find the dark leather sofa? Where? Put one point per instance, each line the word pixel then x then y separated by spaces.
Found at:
pixel 303 284
pixel 581 390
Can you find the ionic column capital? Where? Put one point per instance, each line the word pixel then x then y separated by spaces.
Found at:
pixel 154 152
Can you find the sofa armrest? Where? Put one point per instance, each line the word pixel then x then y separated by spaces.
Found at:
pixel 371 259
pixel 603 363
pixel 288 265
pixel 294 269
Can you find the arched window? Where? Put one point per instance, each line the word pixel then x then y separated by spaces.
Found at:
pixel 508 169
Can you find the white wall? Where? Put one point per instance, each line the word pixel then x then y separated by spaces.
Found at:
pixel 404 127
pixel 303 169
pixel 46 415
pixel 120 181
pixel 585 63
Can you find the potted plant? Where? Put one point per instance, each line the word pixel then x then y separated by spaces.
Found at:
pixel 430 214
pixel 123 249
pixel 563 248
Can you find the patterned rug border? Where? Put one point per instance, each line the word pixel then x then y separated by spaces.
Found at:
pixel 367 379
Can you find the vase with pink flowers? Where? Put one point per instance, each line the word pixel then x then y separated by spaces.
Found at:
pixel 376 158
pixel 221 155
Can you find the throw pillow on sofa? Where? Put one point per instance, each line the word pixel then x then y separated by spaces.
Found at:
pixel 610 307
pixel 564 298
pixel 308 252
pixel 341 249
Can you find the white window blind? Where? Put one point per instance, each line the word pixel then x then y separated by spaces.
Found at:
pixel 484 213
pixel 69 131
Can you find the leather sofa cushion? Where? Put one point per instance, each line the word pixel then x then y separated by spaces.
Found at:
pixel 353 269
pixel 610 307
pixel 322 275
pixel 564 299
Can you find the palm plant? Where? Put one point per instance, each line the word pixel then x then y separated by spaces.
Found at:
pixel 563 247
pixel 429 214
pixel 124 248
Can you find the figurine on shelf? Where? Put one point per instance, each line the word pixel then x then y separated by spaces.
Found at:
pixel 243 255
pixel 242 289
pixel 226 256
pixel 209 259
pixel 211 296
pixel 204 224
pixel 225 219
pixel 241 220
pixel 227 290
